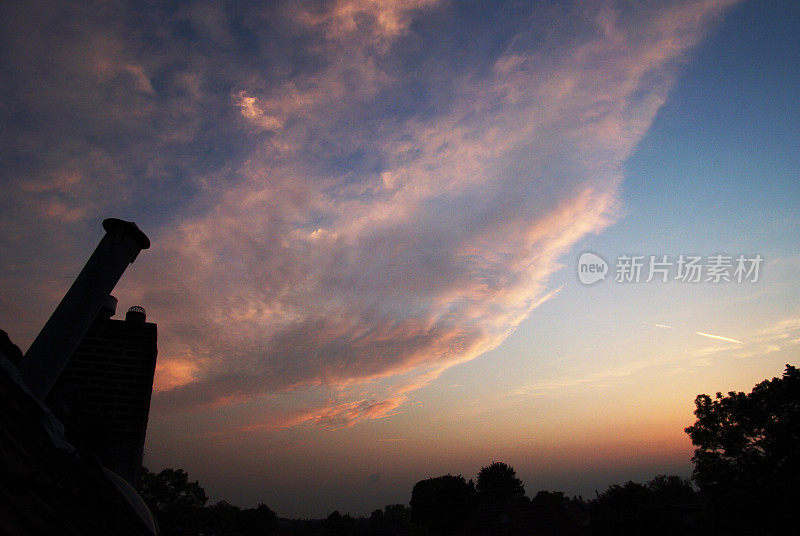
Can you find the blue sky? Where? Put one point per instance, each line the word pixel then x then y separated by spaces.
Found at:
pixel 366 219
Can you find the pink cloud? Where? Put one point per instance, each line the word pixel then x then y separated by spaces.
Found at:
pixel 334 246
pixel 329 281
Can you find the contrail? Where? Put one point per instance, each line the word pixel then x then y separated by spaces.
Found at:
pixel 709 335
pixel 718 337
pixel 658 325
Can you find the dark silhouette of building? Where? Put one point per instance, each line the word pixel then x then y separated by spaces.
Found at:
pixel 47 485
pixel 75 408
pixel 103 394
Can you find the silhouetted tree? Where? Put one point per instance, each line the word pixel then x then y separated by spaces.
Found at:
pixel 553 513
pixel 339 525
pixel 300 527
pixel 174 500
pixel 393 519
pixel 224 519
pixel 747 460
pixel 663 506
pixel 170 490
pixel 396 513
pixel 179 507
pixel 396 519
pixel 377 523
pixel 622 510
pixel 498 482
pixel 441 503
pixel 554 499
pixel 671 489
pixel 260 520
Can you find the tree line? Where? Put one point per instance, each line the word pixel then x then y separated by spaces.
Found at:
pixel 746 481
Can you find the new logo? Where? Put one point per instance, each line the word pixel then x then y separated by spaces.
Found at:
pixel 591 268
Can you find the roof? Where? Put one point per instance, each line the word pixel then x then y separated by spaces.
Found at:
pixel 47 486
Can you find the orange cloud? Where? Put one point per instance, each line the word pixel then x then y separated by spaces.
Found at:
pixel 310 278
pixel 354 212
pixel 172 373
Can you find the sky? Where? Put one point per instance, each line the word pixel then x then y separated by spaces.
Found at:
pixel 367 220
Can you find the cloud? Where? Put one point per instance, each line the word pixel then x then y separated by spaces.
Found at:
pixel 254 113
pixel 372 22
pixel 358 212
pixel 345 415
pixel 174 373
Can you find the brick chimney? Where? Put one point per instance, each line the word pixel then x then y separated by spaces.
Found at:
pixel 103 394
pixel 60 336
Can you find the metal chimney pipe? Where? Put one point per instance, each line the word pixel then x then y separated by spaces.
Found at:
pixel 60 336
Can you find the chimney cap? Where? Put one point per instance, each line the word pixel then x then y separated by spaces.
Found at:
pixel 115 225
pixel 109 307
pixel 136 314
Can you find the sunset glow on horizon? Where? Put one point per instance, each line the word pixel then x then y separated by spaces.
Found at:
pixel 367 217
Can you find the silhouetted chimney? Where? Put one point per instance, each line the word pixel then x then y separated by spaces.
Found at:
pixel 103 394
pixel 60 336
